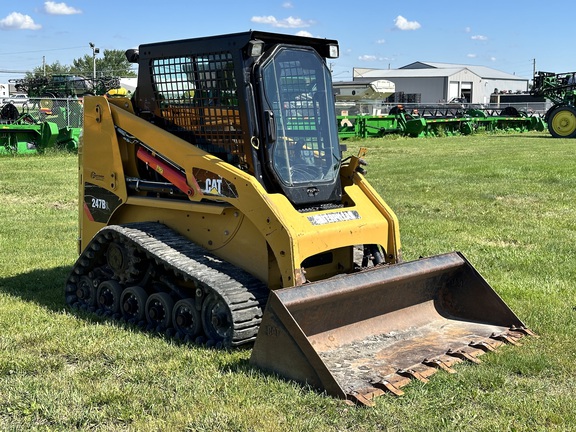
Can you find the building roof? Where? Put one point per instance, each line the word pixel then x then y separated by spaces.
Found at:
pixel 482 71
pixel 404 73
pixel 434 69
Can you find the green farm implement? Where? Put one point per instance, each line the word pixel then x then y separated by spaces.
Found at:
pixel 51 115
pixel 40 124
pixel 22 137
pixel 561 90
pixel 426 123
pixel 64 86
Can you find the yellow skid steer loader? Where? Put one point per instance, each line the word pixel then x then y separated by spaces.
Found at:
pixel 216 206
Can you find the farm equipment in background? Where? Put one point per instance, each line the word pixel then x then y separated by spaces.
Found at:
pixel 216 207
pixel 361 91
pixel 50 115
pixel 361 107
pixel 23 137
pixel 22 134
pixel 29 129
pixel 64 86
pixel 437 121
pixel 561 90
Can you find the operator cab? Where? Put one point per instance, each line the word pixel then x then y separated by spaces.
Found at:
pixel 302 153
pixel 260 101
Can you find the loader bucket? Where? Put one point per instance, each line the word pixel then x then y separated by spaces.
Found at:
pixel 360 335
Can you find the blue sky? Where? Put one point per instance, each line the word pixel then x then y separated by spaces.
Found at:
pixel 504 35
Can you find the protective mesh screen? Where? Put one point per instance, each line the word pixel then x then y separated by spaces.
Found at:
pixel 197 98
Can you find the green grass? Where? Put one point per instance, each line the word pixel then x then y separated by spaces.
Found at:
pixel 508 202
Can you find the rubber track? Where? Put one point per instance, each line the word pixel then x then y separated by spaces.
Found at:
pixel 244 294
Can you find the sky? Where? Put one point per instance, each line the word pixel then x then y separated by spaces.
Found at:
pixel 510 36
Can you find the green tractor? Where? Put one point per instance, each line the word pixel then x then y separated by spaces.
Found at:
pixel 65 86
pixel 561 90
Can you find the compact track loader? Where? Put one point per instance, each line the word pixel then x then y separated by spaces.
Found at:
pixel 215 206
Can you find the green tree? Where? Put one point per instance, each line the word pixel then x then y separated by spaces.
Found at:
pixel 110 66
pixel 113 63
pixel 48 70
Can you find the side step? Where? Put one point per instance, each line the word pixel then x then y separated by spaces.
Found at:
pixel 364 334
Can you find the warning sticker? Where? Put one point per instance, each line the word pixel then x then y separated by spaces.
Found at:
pixel 335 217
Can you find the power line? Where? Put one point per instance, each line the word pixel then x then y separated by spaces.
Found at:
pixel 12 72
pixel 39 51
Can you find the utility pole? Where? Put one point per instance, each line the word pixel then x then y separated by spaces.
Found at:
pixel 94 52
pixel 533 74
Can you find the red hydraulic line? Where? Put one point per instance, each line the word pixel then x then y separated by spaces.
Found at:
pixel 166 171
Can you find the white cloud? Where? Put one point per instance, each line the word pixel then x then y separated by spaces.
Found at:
pixel 54 8
pixel 289 22
pixel 402 23
pixel 304 33
pixel 471 55
pixel 467 29
pixel 287 5
pixel 19 21
pixel 493 59
pixel 479 37
pixel 368 58
pixel 381 41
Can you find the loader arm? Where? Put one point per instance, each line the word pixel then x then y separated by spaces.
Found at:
pixel 290 236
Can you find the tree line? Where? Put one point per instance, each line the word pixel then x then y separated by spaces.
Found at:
pixel 112 63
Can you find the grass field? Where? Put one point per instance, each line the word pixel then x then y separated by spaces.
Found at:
pixel 508 202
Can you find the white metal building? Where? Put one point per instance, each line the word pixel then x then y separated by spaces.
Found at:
pixel 441 82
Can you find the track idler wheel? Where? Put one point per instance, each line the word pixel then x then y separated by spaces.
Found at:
pixel 108 297
pixel 186 320
pixel 133 304
pixel 86 292
pixel 217 321
pixel 159 311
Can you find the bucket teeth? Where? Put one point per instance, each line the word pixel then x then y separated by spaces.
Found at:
pixel 523 331
pixel 439 364
pixel 485 345
pixel 463 355
pixel 413 374
pixel 364 397
pixel 388 386
pixel 506 337
pixel 392 382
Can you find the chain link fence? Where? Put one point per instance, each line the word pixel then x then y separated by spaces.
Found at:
pixel 65 113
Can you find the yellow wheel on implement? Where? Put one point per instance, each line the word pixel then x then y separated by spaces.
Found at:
pixel 46 103
pixel 562 122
